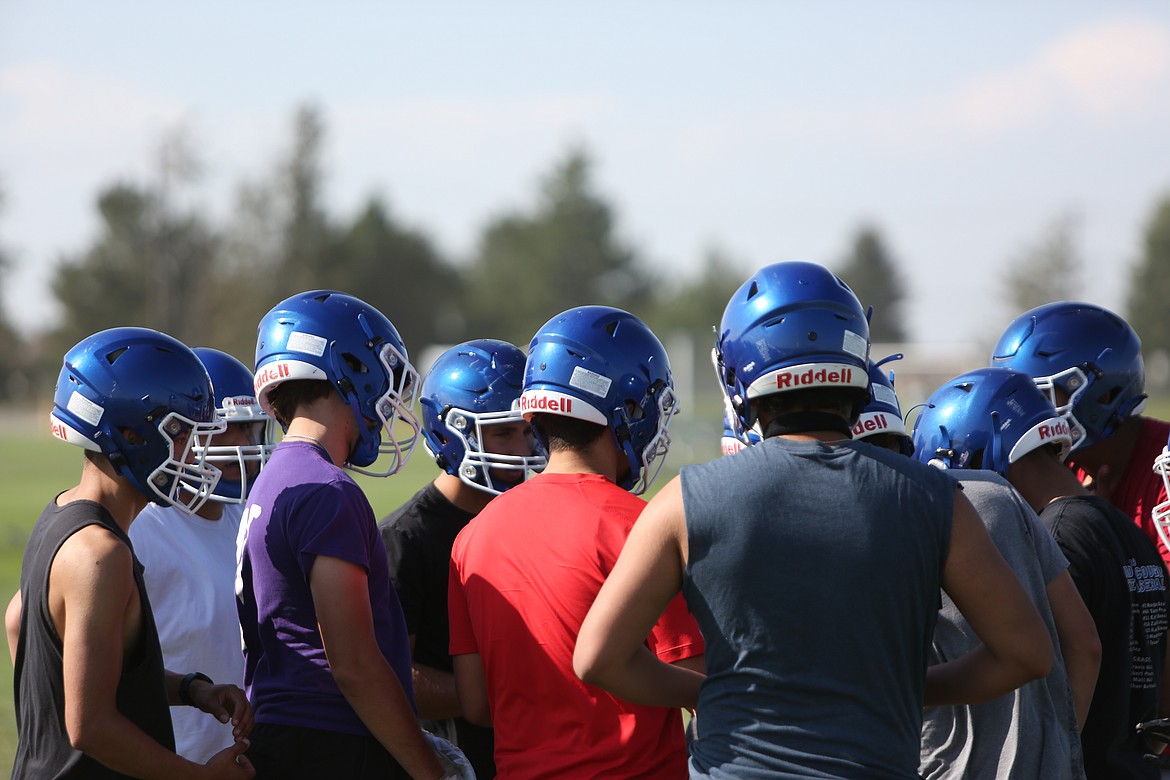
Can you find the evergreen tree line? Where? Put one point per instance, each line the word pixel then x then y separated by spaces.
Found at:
pixel 159 261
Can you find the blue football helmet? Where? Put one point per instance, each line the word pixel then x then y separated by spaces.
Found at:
pixel 1087 354
pixel 987 418
pixel 133 394
pixel 790 326
pixel 470 386
pixel 603 365
pixel 883 414
pixel 236 404
pixel 1161 512
pixel 334 337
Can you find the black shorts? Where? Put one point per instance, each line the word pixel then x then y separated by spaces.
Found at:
pixel 295 752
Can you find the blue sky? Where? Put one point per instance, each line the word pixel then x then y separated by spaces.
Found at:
pixel 767 129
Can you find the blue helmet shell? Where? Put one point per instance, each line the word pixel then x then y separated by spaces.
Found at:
pixel 790 326
pixel 471 385
pixel 988 418
pixel 235 403
pixel 1085 352
pixel 603 365
pixel 338 338
pixel 130 393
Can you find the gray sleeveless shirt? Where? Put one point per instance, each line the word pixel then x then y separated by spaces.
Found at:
pixel 814 574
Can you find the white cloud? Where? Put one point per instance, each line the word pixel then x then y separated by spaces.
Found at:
pixel 51 105
pixel 1113 72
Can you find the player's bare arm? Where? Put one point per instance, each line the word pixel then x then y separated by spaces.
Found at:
pixel 471 687
pixel 365 677
pixel 611 651
pixel 434 690
pixel 1016 647
pixel 1080 647
pixel 97 610
pixel 12 624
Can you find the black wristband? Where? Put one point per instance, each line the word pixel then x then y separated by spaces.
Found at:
pixel 185 686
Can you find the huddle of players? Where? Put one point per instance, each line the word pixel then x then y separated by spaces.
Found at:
pixel 484 618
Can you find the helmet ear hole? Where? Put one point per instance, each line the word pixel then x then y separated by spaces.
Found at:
pixel 355 364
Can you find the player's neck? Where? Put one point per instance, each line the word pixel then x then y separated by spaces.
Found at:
pixel 102 485
pixel 1113 451
pixel 599 457
pixel 469 499
pixel 1042 479
pixel 327 422
pixel 211 511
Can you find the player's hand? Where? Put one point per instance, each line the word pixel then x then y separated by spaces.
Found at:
pixel 226 703
pixel 1157 736
pixel 231 763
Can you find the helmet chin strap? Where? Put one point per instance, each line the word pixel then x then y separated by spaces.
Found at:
pixel 804 422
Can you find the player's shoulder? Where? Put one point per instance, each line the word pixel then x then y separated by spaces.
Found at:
pixel 1154 424
pixel 412 512
pixel 93 551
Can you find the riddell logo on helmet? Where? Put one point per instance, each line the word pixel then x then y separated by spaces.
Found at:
pixel 59 430
pixel 877 422
pixel 1055 429
pixel 814 378
pixel 271 373
pixel 545 403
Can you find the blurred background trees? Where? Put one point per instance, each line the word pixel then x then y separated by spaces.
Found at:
pixel 1149 294
pixel 1045 271
pixel 564 252
pixel 872 272
pixel 159 260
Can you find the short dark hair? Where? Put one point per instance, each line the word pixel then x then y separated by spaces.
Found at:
pixel 562 433
pixel 285 397
pixel 844 401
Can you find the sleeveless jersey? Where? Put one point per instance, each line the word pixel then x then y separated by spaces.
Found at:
pixel 814 573
pixel 43 749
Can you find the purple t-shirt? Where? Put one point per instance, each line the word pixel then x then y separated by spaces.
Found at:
pixel 302 506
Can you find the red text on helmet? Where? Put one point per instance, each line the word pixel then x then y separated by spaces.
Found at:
pixel 814 378
pixel 273 372
pixel 544 403
pixel 872 424
pixel 1059 428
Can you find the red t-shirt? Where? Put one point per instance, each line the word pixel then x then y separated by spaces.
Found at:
pixel 1139 489
pixel 523 574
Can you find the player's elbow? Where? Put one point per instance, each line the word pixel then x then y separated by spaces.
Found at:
pixel 584 668
pixel 589 663
pixel 349 673
pixel 471 689
pixel 477 713
pixel 1033 659
pixel 85 733
pixel 473 704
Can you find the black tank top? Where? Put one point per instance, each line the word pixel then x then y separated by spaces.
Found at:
pixel 43 750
